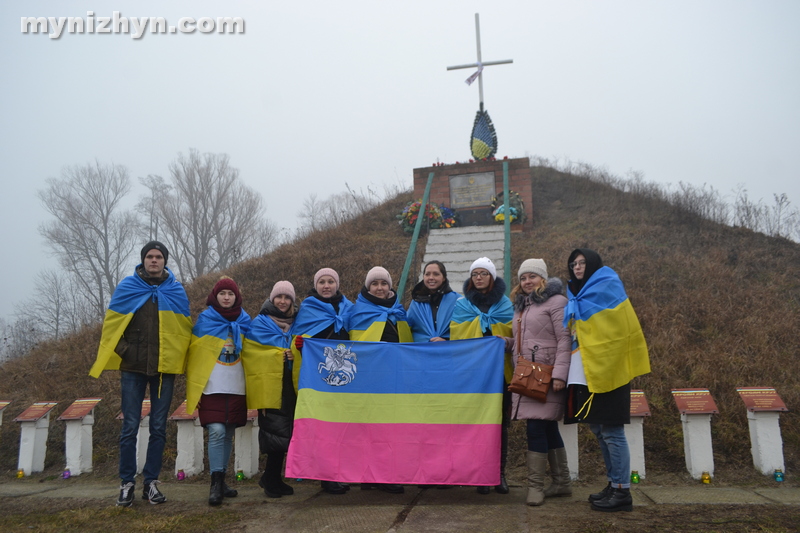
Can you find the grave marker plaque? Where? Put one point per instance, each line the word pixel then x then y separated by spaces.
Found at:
pixel 761 399
pixel 639 406
pixel 694 401
pixel 471 190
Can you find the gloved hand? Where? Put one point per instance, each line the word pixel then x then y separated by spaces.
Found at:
pixel 298 343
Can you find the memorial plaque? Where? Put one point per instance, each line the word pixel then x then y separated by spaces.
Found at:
pixel 35 411
pixel 181 414
pixel 471 190
pixel 761 399
pixel 79 408
pixel 639 405
pixel 145 410
pixel 694 401
pixel 4 404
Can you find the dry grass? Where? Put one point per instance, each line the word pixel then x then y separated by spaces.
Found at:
pixel 720 308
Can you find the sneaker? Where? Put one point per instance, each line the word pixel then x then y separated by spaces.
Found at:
pixel 126 494
pixel 152 494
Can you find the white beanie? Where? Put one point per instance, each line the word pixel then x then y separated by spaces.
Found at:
pixel 533 266
pixel 485 263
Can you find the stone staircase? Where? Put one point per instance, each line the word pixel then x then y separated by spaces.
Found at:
pixel 457 248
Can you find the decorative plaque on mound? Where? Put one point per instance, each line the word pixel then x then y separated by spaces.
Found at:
pixel 639 405
pixel 761 399
pixel 35 411
pixel 694 401
pixel 79 408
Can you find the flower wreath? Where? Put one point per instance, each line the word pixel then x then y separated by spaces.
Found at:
pixel 438 216
pixel 516 208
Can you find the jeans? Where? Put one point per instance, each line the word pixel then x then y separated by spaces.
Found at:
pixel 616 454
pixel 220 437
pixel 133 387
pixel 543 435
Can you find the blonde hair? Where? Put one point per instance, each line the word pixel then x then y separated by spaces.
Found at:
pixel 518 289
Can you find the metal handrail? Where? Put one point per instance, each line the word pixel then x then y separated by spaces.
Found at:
pixel 413 247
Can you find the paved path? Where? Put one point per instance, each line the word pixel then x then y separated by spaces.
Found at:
pixel 418 510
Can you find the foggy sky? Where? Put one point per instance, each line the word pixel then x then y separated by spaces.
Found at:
pixel 317 94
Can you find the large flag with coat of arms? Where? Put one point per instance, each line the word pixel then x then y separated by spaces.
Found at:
pixel 407 413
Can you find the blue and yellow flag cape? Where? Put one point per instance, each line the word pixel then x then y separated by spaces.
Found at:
pixel 366 320
pixel 420 318
pixel 469 322
pixel 174 322
pixel 314 316
pixel 208 337
pixel 262 357
pixel 611 341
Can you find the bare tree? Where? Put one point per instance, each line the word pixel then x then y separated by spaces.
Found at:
pixel 148 205
pixel 210 219
pixel 92 235
pixel 57 307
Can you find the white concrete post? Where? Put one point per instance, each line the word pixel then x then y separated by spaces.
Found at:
pixel 3 406
pixel 142 439
pixel 33 445
pixel 190 447
pixel 697 444
pixel 246 447
pixel 766 443
pixel 569 434
pixel 634 433
pixel 79 444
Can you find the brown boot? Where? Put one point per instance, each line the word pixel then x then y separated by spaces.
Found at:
pixel 537 465
pixel 561 484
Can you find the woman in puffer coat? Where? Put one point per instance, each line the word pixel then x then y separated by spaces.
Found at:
pixel 539 335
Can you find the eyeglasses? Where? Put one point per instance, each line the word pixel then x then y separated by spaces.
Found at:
pixel 480 275
pixel 577 263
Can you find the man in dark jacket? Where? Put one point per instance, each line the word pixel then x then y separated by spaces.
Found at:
pixel 146 334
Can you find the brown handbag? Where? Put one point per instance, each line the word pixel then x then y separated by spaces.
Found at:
pixel 530 379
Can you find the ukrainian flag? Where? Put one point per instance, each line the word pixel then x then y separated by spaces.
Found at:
pixel 420 318
pixel 262 357
pixel 208 338
pixel 610 337
pixel 469 322
pixel 366 321
pixel 410 413
pixel 174 322
pixel 315 315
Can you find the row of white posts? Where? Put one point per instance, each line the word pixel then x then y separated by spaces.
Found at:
pixel 696 406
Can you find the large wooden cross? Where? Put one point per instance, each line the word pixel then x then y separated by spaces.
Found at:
pixel 480 64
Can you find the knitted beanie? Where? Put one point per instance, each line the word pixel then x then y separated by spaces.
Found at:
pixel 377 273
pixel 485 263
pixel 282 287
pixel 155 245
pixel 326 272
pixel 533 266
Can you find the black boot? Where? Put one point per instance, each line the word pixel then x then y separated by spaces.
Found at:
pixel 597 496
pixel 333 487
pixel 228 492
pixel 502 488
pixel 271 481
pixel 483 490
pixel 617 500
pixel 385 487
pixel 215 495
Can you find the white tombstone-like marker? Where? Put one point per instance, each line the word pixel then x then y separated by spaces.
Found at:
pixel 634 432
pixel 35 421
pixel 79 418
pixel 569 434
pixel 3 405
pixel 763 416
pixel 190 441
pixel 246 446
pixel 696 407
pixel 142 437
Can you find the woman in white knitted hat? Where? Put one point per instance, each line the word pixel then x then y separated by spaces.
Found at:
pixel 485 302
pixel 540 335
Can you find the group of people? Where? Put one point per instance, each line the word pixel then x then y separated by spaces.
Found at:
pixel 233 363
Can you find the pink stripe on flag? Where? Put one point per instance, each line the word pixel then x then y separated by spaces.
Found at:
pixel 438 454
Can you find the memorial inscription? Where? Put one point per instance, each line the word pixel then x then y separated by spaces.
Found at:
pixel 471 190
